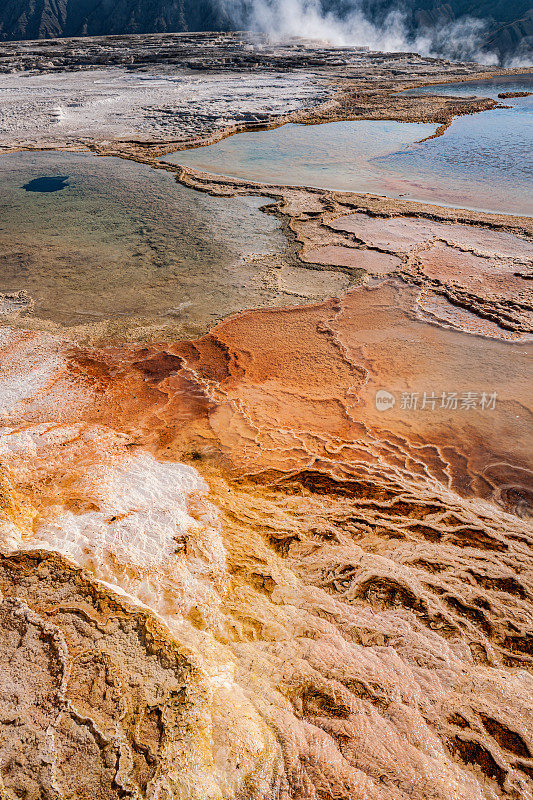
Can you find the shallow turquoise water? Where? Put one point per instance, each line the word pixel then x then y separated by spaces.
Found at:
pixel 489 87
pixel 336 155
pixel 122 240
pixel 483 161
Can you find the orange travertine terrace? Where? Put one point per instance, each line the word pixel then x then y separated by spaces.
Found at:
pixel 345 586
pixel 290 556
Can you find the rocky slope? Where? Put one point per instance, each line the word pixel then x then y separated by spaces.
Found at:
pixel 225 572
pixel 35 19
pixel 227 575
pixel 507 28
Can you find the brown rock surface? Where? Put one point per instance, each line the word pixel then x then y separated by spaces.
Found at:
pixel 226 573
pixel 346 614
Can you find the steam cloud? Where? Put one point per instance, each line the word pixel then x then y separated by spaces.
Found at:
pixel 280 19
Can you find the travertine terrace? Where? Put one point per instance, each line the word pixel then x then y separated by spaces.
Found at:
pixel 124 94
pixel 226 574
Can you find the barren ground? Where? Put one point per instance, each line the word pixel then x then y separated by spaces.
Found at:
pixel 225 573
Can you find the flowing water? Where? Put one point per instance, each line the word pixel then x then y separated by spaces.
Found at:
pixel 327 505
pixel 336 155
pixel 94 239
pixel 483 161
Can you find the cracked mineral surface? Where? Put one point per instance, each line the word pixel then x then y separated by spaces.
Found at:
pixel 228 572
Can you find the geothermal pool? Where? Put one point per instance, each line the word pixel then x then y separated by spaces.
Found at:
pixel 482 162
pixel 335 155
pixel 487 87
pixel 92 239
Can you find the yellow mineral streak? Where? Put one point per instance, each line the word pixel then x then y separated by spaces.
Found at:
pixel 286 593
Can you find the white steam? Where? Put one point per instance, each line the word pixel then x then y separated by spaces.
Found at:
pixel 281 19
